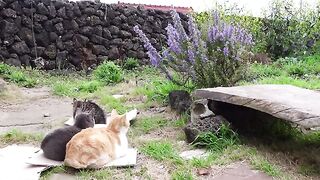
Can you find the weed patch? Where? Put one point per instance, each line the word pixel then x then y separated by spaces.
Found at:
pixel 113 103
pixel 49 172
pixel 161 151
pixel 218 141
pixel 94 174
pixel 150 123
pixel 182 174
pixel 266 167
pixel 303 72
pixel 17 136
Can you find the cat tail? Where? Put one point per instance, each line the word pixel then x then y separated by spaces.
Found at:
pixel 74 163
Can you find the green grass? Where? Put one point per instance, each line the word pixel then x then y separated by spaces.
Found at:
pixel 309 170
pixel 157 89
pixel 161 151
pixel 217 141
pixel 182 174
pixel 265 166
pixel 113 103
pixel 17 76
pixel 49 172
pixel 94 174
pixel 17 136
pixel 302 72
pixel 203 162
pixel 89 86
pixel 148 124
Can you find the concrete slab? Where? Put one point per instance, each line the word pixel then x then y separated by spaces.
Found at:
pixel 294 104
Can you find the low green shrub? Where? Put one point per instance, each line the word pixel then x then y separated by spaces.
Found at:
pixel 89 86
pixel 130 64
pixel 108 73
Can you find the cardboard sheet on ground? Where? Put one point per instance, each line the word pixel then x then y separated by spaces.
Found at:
pixel 38 159
pixel 13 163
pixel 27 163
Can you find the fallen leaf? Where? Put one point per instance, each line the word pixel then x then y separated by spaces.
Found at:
pixel 203 172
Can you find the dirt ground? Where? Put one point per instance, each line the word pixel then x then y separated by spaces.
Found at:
pixel 32 110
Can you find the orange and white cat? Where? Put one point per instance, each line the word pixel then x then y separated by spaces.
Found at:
pixel 95 147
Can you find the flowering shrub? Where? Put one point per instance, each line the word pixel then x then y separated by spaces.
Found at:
pixel 210 59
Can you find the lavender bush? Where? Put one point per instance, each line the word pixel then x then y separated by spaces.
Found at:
pixel 202 58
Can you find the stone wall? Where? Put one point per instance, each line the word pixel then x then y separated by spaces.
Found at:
pixel 75 34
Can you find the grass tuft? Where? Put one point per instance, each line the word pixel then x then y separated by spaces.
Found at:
pixel 266 167
pixel 182 174
pixel 17 136
pixel 161 151
pixel 148 124
pixel 218 141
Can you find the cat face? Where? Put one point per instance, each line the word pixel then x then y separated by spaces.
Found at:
pixel 84 120
pixel 118 123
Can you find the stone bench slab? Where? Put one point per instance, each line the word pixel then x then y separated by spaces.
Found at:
pixel 294 104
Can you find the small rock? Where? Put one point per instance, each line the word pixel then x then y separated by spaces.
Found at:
pixel 117 96
pixel 196 153
pixel 203 172
pixel 46 115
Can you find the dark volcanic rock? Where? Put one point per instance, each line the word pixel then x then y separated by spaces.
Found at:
pixel 10 13
pixel 25 60
pixel 80 40
pixel 66 26
pixel 114 53
pixel 26 35
pixel 114 30
pixel 8 28
pixel 13 62
pixel 20 48
pixel 52 11
pixel 42 39
pixel 59 28
pixel 125 34
pixel 51 51
pixel 99 50
pixel 42 9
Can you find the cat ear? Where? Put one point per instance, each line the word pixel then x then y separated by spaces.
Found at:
pixel 131 115
pixel 114 112
pixel 74 100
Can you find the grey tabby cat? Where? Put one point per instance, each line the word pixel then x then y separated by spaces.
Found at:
pixel 207 124
pixel 87 105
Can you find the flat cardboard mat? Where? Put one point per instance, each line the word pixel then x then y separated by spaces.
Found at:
pixel 27 162
pixel 38 159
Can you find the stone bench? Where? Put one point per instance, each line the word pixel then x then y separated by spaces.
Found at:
pixel 293 104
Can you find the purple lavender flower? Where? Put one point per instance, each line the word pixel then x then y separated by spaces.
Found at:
pixel 191 55
pixel 195 34
pixel 178 26
pixel 216 17
pixel 213 34
pixel 172 39
pixel 226 51
pixel 154 56
pixel 204 58
pixel 166 54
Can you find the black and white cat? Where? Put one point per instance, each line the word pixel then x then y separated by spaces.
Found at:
pixel 54 144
